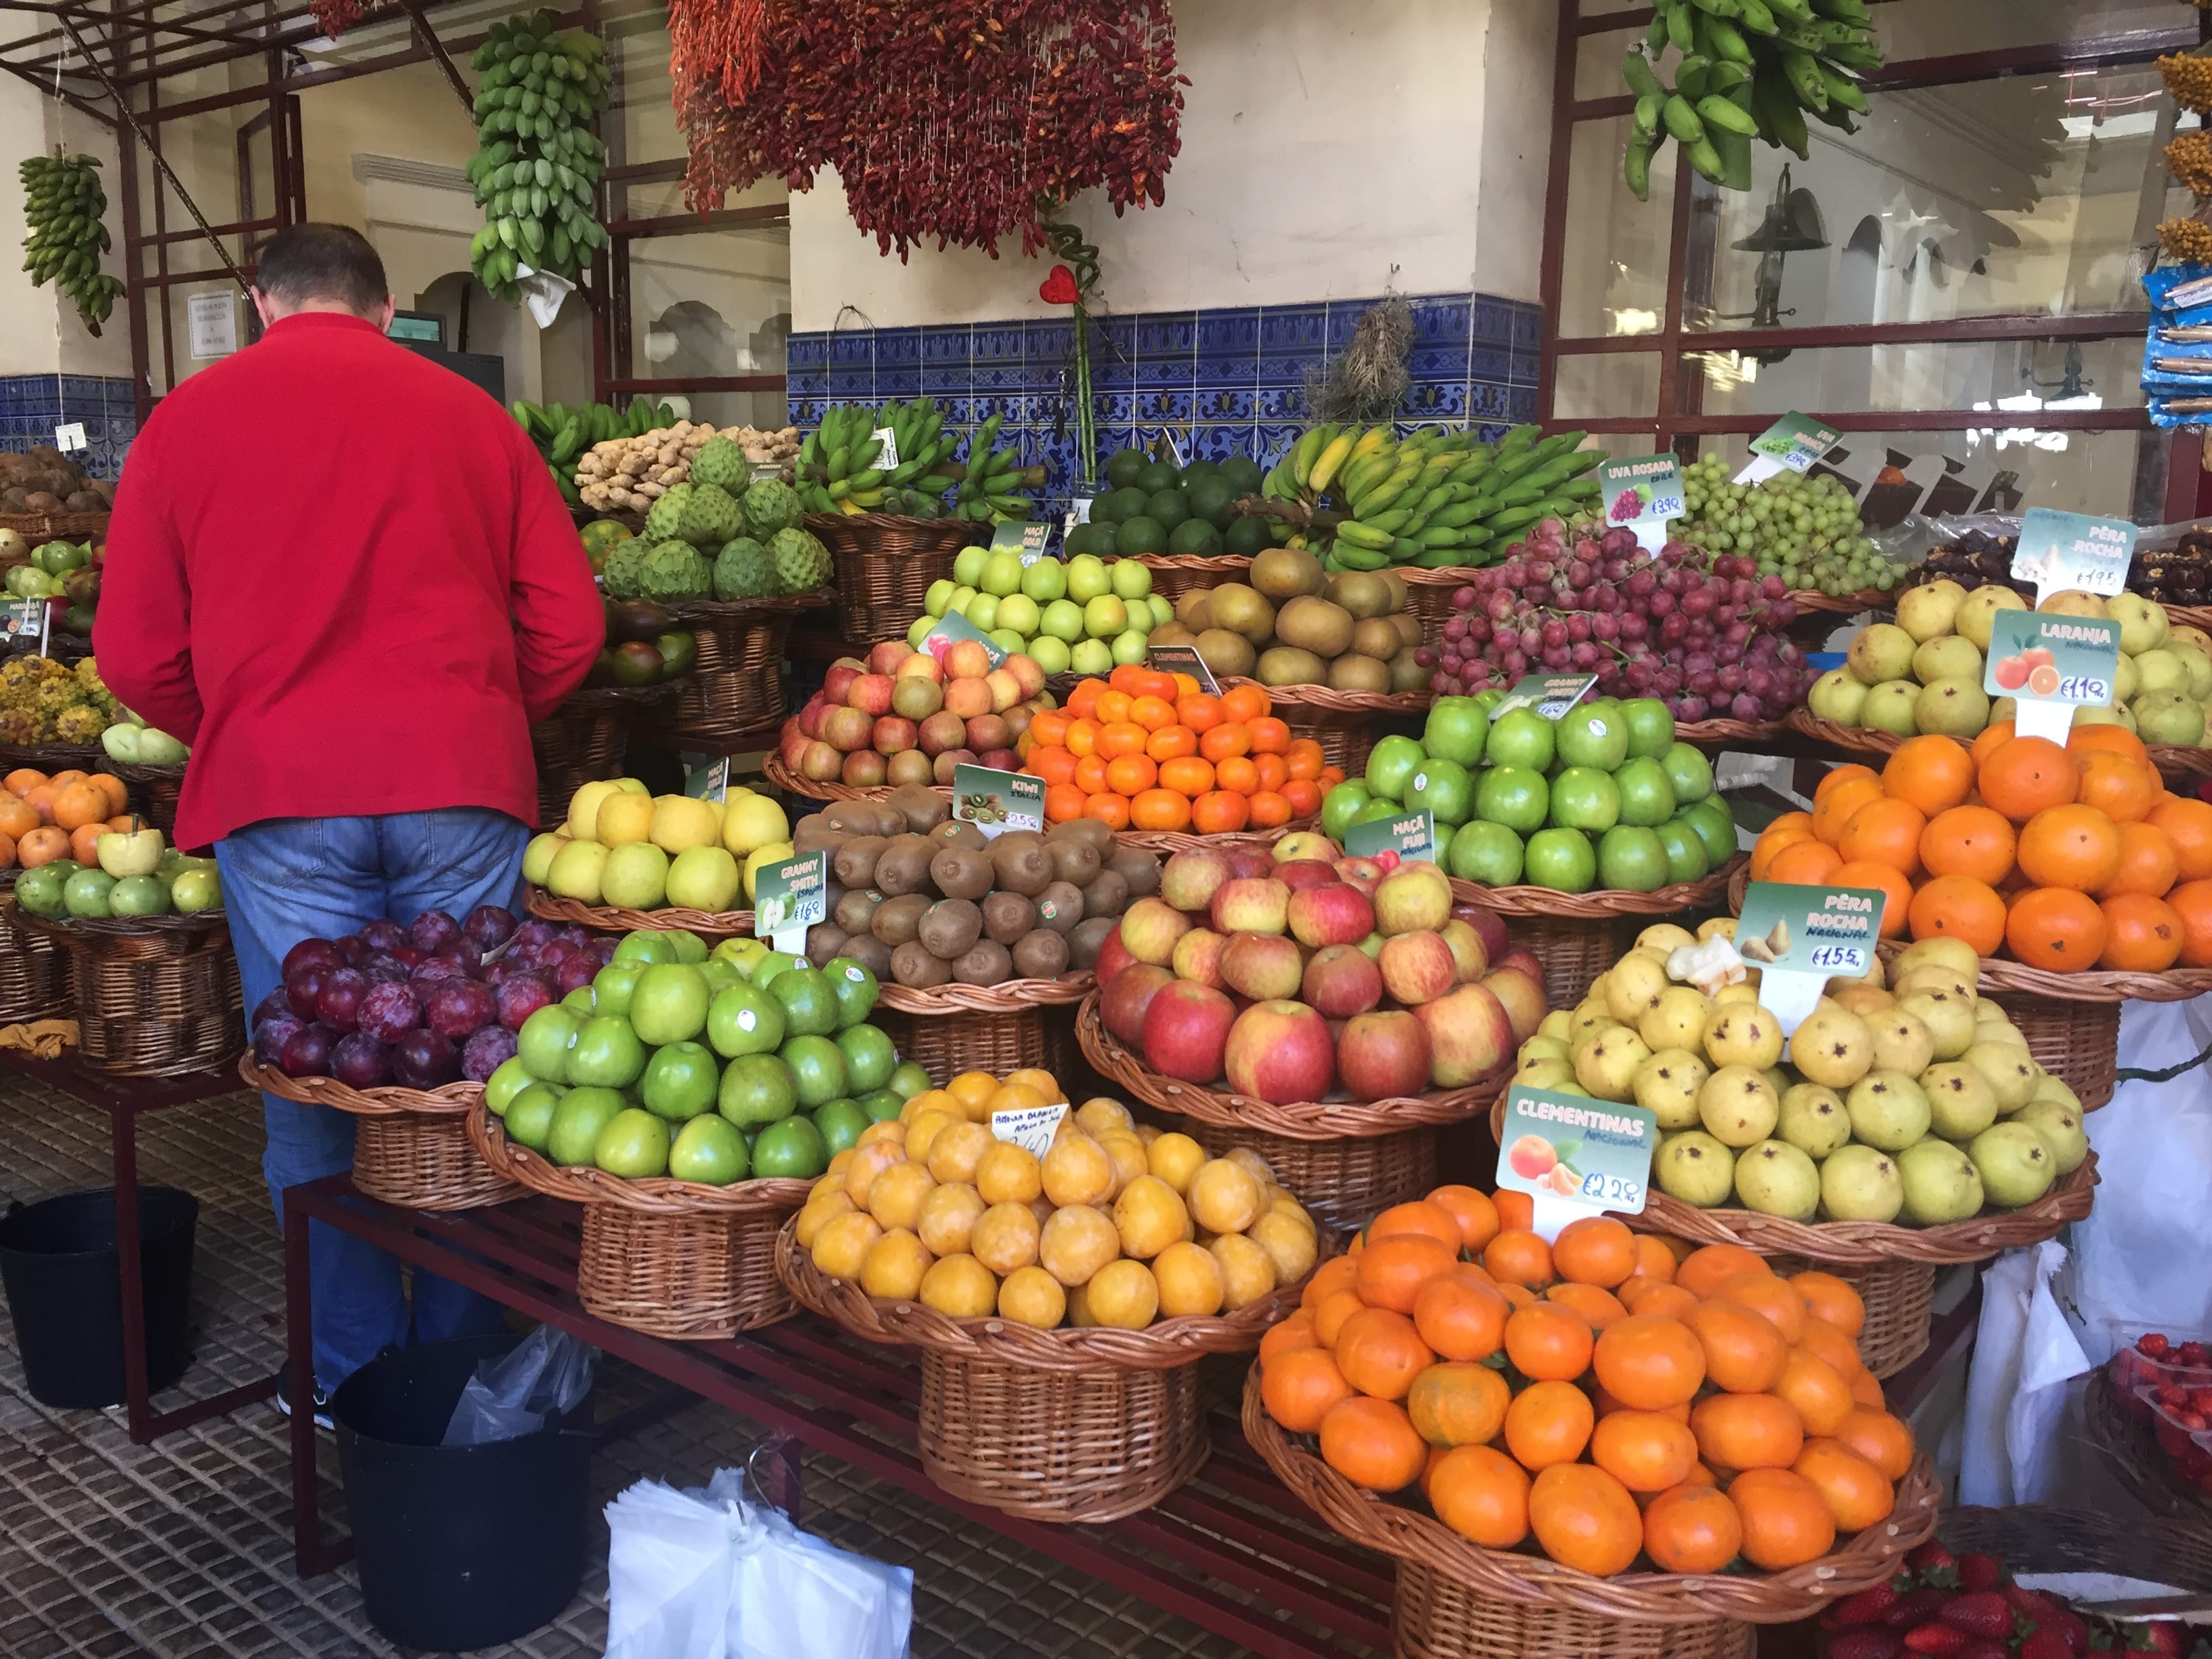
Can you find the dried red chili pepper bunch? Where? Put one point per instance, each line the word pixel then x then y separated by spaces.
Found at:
pixel 335 17
pixel 962 131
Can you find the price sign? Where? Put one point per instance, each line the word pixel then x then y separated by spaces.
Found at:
pixel 1549 695
pixel 1184 659
pixel 70 437
pixel 1799 937
pixel 953 627
pixel 888 456
pixel 1642 493
pixel 1575 1156
pixel 1404 835
pixel 1792 444
pixel 2053 664
pixel 23 621
pixel 710 782
pixel 790 898
pixel 1078 511
pixel 1032 1128
pixel 764 472
pixel 1026 539
pixel 995 802
pixel 2061 550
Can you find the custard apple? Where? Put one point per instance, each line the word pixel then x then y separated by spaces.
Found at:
pixel 802 564
pixel 667 513
pixel 771 507
pixel 710 517
pixel 743 570
pixel 676 570
pixel 624 570
pixel 719 462
pixel 83 724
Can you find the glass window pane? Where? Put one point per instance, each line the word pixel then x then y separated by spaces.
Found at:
pixel 1607 383
pixel 1941 28
pixel 641 120
pixel 2028 193
pixel 712 304
pixel 766 410
pixel 1616 280
pixel 1597 64
pixel 2016 376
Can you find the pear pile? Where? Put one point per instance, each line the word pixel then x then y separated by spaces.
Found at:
pixel 1905 1099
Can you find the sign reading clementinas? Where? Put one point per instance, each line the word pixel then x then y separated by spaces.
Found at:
pixel 1575 1156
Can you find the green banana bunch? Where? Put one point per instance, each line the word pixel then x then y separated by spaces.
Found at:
pixel 536 166
pixel 63 203
pixel 562 432
pixel 1749 69
pixel 844 467
pixel 991 476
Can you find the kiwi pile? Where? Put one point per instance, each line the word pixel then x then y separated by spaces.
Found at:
pixel 1155 507
pixel 1296 624
pixel 921 900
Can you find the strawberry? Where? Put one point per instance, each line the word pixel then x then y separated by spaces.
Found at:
pixel 1933 1564
pixel 1980 1573
pixel 1980 1613
pixel 2165 1636
pixel 1983 1648
pixel 2046 1644
pixel 1872 1642
pixel 2152 1346
pixel 1937 1638
pixel 1914 1608
pixel 2193 1354
pixel 2073 1629
pixel 1869 1606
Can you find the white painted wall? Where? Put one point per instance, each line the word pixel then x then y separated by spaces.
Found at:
pixel 1322 145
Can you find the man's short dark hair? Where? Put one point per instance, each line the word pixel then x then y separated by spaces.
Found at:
pixel 333 264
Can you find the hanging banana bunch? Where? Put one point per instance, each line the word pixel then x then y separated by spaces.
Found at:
pixel 538 165
pixel 1749 69
pixel 64 204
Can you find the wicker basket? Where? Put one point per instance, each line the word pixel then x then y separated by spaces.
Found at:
pixel 2077 1043
pixel 51 757
pixel 1429 596
pixel 34 974
pixel 1900 1307
pixel 1345 723
pixel 735 693
pixel 586 738
pixel 1343 1182
pixel 1727 734
pixel 1842 604
pixel 154 790
pixel 2175 762
pixel 951 1028
pixel 2130 1447
pixel 613 919
pixel 1577 936
pixel 2033 1538
pixel 38 528
pixel 1461 1600
pixel 411 1147
pixel 885 563
pixel 1174 574
pixel 1067 1425
pixel 155 996
pixel 673 1259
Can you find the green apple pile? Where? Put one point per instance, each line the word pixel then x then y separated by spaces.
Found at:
pixel 1602 797
pixel 1085 614
pixel 1298 622
pixel 137 874
pixel 1806 530
pixel 1914 1101
pixel 708 1067
pixel 623 847
pixel 1924 672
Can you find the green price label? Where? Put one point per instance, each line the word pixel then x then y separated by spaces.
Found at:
pixel 1026 539
pixel 1587 1154
pixel 995 802
pixel 1642 493
pixel 955 627
pixel 2053 665
pixel 790 898
pixel 1828 931
pixel 1792 444
pixel 1549 695
pixel 1408 834
pixel 708 782
pixel 1184 659
pixel 2061 550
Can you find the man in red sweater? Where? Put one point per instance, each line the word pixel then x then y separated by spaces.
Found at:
pixel 339 572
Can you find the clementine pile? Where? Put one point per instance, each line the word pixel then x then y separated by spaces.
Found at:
pixel 46 818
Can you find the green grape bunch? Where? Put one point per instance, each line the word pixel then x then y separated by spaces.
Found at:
pixel 64 204
pixel 538 165
pixel 1806 531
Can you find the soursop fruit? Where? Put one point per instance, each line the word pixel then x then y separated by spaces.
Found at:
pixel 771 507
pixel 802 564
pixel 667 513
pixel 676 570
pixel 710 517
pixel 624 570
pixel 719 462
pixel 743 570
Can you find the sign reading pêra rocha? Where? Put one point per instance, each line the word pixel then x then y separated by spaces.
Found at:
pixel 2059 550
pixel 1799 937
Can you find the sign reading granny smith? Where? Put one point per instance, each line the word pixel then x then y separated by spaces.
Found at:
pixel 1409 834
pixel 1549 695
pixel 1185 659
pixel 953 627
pixel 790 898
pixel 1575 1156
pixel 1799 937
pixel 995 802
pixel 1792 444
pixel 1642 493
pixel 2053 665
pixel 1026 539
pixel 2061 550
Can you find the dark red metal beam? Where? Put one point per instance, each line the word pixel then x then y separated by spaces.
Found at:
pixel 688 224
pixel 1552 263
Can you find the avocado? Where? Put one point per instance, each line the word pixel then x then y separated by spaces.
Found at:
pixel 637 619
pixel 1168 507
pixel 1246 536
pixel 1140 535
pixel 1194 536
pixel 1243 474
pixel 1213 500
pixel 1122 471
pixel 636 662
pixel 1157 477
pixel 1119 506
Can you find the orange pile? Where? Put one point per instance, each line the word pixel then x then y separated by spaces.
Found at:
pixel 1597 1393
pixel 2070 858
pixel 43 818
pixel 1144 749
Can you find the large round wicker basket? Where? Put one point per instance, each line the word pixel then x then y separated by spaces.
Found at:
pixel 1346 724
pixel 154 996
pixel 885 563
pixel 2177 763
pixel 411 1147
pixel 674 1259
pixel 34 974
pixel 1069 1425
pixel 615 919
pixel 1020 1023
pixel 1577 936
pixel 735 692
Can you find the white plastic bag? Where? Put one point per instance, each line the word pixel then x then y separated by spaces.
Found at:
pixel 669 1575
pixel 547 1374
pixel 2024 1353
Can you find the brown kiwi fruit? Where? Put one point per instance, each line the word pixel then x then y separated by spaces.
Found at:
pixel 871 953
pixel 856 862
pixel 961 872
pixel 950 926
pixel 857 908
pixel 1408 626
pixel 1060 907
pixel 896 921
pixel 1085 940
pixel 1085 830
pixel 1074 861
pixel 1140 870
pixel 1021 864
pixel 985 963
pixel 1377 637
pixel 923 808
pixel 953 832
pixel 903 866
pixel 1007 916
pixel 825 940
pixel 1040 954
pixel 912 965
pixel 1108 895
pixel 854 818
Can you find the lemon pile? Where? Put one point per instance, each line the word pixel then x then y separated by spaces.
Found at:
pixel 1117 1225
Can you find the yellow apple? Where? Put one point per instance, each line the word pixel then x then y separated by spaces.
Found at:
pixel 623 818
pixel 750 821
pixel 583 809
pixel 680 822
pixel 772 853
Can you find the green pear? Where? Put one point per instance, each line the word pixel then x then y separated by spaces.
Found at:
pixel 2055 1089
pixel 1888 1110
pixel 1813 1121
pixel 1929 610
pixel 1860 1183
pixel 2008 1069
pixel 1839 695
pixel 1607 1066
pixel 2143 624
pixel 1948 658
pixel 1666 1086
pixel 1941 1183
pixel 1978 614
pixel 1678 1020
pixel 1960 1105
pixel 1953 707
pixel 1553 1074
pixel 1694 1168
pixel 1833 1048
pixel 1891 706
pixel 2017 1164
pixel 1879 652
pixel 1902 1041
pixel 1738 1106
pixel 1776 1178
pixel 2060 1126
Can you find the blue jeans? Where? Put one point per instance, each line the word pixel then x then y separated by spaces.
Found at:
pixel 286 879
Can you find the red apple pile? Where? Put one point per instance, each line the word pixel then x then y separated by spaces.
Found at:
pixel 1300 975
pixel 907 716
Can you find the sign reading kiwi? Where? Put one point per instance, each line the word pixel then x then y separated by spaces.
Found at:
pixel 1032 1128
pixel 1404 835
pixel 790 898
pixel 1800 938
pixel 995 802
pixel 1185 659
pixel 1574 1155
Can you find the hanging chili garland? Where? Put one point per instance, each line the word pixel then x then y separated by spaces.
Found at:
pixel 953 132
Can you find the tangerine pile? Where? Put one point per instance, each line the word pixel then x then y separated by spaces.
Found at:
pixel 1145 750
pixel 44 818
pixel 1597 1393
pixel 2070 858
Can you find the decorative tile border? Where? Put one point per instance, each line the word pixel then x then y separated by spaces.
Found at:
pixel 33 405
pixel 1224 382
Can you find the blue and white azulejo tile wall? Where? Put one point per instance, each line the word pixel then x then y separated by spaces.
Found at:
pixel 33 405
pixel 1224 382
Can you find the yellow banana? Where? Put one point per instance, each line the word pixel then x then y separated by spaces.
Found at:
pixel 1370 440
pixel 1332 459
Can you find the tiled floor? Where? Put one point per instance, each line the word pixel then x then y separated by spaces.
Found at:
pixel 182 1550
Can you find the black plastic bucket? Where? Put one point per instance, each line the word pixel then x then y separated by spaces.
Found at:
pixel 64 1278
pixel 460 1546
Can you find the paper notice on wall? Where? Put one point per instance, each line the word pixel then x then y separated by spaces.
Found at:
pixel 213 320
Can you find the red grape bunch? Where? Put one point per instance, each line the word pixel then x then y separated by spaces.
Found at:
pixel 1703 633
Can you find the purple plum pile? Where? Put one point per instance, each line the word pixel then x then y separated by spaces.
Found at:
pixel 420 1005
pixel 1703 633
